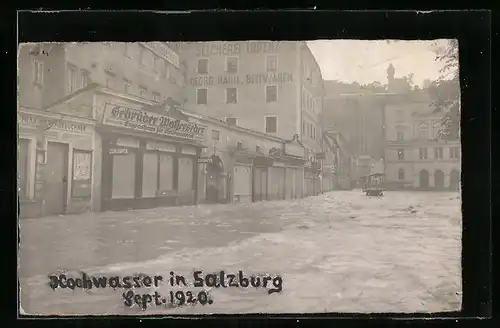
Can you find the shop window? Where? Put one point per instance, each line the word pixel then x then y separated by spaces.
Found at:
pixel 123 176
pixel 271 124
pixel 185 173
pixel 203 66
pixel 166 172
pixel 81 184
pixel 231 96
pixel 232 65
pixel 272 63
pixel 201 96
pixel 271 93
pixel 401 154
pixel 149 174
pixel 22 167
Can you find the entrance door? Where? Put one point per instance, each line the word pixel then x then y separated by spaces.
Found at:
pixel 56 178
pixel 260 184
pixel 439 179
pixel 424 179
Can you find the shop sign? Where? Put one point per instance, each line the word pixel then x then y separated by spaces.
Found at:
pixel 118 151
pixel 267 78
pixel 236 48
pixel 204 160
pixel 141 120
pixel 163 51
pixel 27 119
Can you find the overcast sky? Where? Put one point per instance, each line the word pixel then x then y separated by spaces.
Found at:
pixel 366 61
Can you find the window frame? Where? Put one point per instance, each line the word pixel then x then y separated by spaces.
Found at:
pixel 143 88
pixel 267 62
pixel 198 66
pixel 266 120
pixel 401 151
pixel 237 64
pixel 266 90
pixel 227 93
pixel 197 96
pixel 231 117
pixel 401 177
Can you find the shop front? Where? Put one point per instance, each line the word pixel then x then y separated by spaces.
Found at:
pixel 148 159
pixel 212 180
pixel 55 161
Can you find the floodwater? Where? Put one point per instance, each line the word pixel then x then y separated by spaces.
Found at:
pixel 337 252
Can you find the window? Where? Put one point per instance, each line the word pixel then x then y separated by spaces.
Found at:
pixel 85 78
pixel 232 65
pixel 400 136
pixel 422 153
pixel 423 131
pixel 271 93
pixel 143 91
pixel 126 86
pixel 239 145
pixel 72 79
pixel 156 96
pixel 303 127
pixel 215 135
pixel 438 153
pixel 401 174
pixel 401 154
pixel 231 95
pixel 156 64
pixel 203 66
pixel 314 132
pixel 166 71
pixel 231 120
pixel 38 72
pixel 455 152
pixel 257 149
pixel 201 96
pixel 272 63
pixel 435 129
pixel 271 124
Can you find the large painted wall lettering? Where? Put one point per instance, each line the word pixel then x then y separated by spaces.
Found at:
pixel 269 78
pixel 234 48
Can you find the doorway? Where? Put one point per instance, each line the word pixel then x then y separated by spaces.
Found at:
pixel 56 178
pixel 439 179
pixel 424 179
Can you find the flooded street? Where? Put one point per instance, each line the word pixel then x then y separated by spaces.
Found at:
pixel 337 252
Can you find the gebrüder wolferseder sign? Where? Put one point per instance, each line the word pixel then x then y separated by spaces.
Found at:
pixel 141 120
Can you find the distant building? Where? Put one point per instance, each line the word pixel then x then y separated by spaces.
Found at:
pixel 415 156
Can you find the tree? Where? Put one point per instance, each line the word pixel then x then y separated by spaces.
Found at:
pixel 445 92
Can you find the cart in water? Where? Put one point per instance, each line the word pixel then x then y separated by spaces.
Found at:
pixel 374 184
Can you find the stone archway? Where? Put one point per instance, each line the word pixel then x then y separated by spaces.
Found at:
pixel 424 179
pixel 439 179
pixel 454 180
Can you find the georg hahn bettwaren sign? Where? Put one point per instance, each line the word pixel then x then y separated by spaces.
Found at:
pixel 141 120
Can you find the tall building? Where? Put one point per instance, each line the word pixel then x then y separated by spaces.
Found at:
pixel 266 86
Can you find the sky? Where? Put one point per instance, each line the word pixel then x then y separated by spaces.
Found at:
pixel 365 61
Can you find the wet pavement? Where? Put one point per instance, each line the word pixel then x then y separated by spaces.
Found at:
pixel 340 251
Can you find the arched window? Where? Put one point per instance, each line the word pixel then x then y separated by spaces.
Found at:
pixel 435 129
pixel 401 174
pixel 423 131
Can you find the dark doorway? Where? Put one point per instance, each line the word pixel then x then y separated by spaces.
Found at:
pixel 260 184
pixel 439 179
pixel 454 180
pixel 56 178
pixel 424 179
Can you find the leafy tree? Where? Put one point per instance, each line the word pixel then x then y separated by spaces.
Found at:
pixel 445 92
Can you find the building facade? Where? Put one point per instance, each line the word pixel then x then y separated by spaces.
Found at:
pixel 269 87
pixel 415 156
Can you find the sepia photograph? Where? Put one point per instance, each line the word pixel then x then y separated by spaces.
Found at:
pixel 238 177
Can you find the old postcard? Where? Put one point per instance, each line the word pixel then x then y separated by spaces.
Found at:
pixel 239 177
